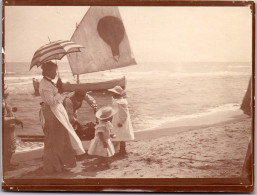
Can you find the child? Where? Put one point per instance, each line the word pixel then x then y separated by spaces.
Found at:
pixel 101 145
pixel 122 126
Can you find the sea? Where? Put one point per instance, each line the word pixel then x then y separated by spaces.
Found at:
pixel 157 92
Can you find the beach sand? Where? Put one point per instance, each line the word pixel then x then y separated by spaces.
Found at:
pixel 202 149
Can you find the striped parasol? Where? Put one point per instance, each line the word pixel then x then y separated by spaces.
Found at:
pixel 54 51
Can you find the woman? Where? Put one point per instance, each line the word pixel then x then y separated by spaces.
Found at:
pixel 61 142
pixel 122 126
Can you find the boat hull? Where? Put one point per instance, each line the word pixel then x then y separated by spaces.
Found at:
pixel 94 86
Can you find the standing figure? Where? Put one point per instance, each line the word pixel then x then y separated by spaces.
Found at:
pixel 61 143
pixel 101 145
pixel 122 126
pixel 8 140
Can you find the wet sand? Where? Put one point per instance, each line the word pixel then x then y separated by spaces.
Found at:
pixel 202 148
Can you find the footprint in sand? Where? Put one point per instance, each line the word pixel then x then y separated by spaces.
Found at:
pixel 230 136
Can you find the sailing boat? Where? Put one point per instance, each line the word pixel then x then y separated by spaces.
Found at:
pixel 102 33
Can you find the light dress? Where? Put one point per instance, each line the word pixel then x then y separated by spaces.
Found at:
pixel 126 132
pixel 96 146
pixel 61 143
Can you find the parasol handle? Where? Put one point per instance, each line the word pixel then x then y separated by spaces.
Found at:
pixel 57 71
pixel 59 85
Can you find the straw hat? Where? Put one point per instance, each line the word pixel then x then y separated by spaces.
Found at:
pixel 105 112
pixel 118 90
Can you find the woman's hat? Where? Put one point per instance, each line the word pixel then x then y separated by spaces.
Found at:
pixel 48 65
pixel 118 90
pixel 105 112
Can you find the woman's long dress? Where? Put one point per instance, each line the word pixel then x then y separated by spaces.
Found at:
pixel 58 149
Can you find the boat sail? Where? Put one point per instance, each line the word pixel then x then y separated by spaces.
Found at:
pixel 106 46
pixel 106 43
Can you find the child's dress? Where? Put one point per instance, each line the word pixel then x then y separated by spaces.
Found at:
pixel 96 146
pixel 125 132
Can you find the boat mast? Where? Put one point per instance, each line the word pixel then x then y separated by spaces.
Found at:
pixel 77 74
pixel 77 78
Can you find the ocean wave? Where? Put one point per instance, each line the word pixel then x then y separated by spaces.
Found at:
pixel 24 83
pixel 22 77
pixel 167 74
pixel 131 75
pixel 34 146
pixel 152 124
pixel 11 73
pixel 65 71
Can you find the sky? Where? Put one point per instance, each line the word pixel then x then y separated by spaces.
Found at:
pixel 156 34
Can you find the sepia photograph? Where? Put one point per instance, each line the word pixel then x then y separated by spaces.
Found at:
pixel 109 97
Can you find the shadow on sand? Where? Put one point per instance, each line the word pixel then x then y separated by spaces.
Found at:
pixel 87 166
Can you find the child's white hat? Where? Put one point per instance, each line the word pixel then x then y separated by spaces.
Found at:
pixel 118 90
pixel 105 112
